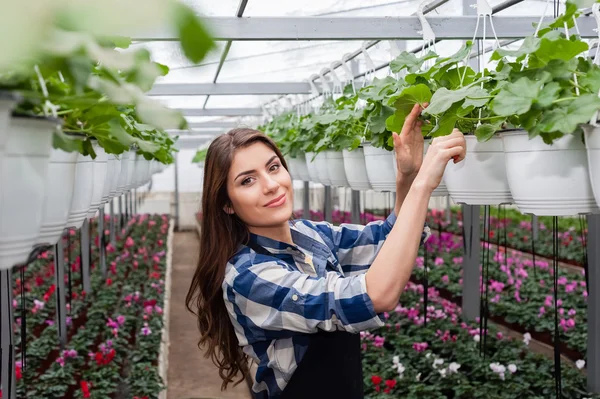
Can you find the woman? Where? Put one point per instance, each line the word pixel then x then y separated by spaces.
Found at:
pixel 292 295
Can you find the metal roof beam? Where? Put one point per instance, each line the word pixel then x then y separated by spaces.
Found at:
pixel 221 111
pixel 211 125
pixel 367 28
pixel 226 89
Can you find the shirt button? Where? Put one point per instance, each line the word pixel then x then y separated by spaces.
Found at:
pixel 294 297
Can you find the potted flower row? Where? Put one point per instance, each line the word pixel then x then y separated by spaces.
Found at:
pixel 525 123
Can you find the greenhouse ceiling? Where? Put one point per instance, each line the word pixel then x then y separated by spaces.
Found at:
pixel 246 76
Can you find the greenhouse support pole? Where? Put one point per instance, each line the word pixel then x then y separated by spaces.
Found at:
pixel 176 227
pixel 135 201
pixel 102 237
pixel 131 202
pixel 61 305
pixel 306 201
pixel 120 199
pixel 7 362
pixel 593 304
pixel 327 208
pixel 535 227
pixel 113 235
pixel 355 207
pixel 472 248
pixel 85 255
pixel 448 210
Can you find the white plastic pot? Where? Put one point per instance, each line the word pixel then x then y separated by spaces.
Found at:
pixel 114 179
pixel 100 171
pixel 23 172
pixel 311 166
pixel 131 170
pixel 335 168
pixel 82 191
pixel 356 170
pixel 146 172
pixel 60 182
pixel 380 168
pixel 592 144
pixel 298 167
pixel 125 166
pixel 480 179
pixel 322 172
pixel 548 180
pixel 7 103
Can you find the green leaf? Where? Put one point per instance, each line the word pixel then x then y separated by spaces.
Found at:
pixel 410 61
pixel 119 41
pixel 516 98
pixel 443 99
pixel 378 122
pixel 486 131
pixel 591 80
pixel 549 93
pixel 566 119
pixel 529 45
pixel 195 39
pixel 445 124
pixel 561 48
pixel 459 56
pixel 405 101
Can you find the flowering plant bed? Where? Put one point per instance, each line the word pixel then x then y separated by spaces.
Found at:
pixel 408 359
pixel 114 332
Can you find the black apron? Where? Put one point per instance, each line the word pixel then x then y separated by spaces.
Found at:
pixel 331 367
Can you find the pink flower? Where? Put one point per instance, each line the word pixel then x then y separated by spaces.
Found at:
pixel 379 341
pixel 121 320
pixel 420 346
pixel 445 279
pixel 499 335
pixel 146 330
pixel 572 312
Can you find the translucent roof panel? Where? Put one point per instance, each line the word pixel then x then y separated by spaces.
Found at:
pixel 181 101
pixel 220 8
pixel 239 101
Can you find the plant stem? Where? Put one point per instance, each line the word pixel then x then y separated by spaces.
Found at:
pixel 481 119
pixel 563 99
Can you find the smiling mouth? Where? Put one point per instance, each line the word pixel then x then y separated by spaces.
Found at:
pixel 276 202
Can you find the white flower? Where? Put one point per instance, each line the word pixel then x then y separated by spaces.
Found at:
pixel 428 355
pixel 512 368
pixel 437 362
pixel 396 359
pixel 453 367
pixel 442 372
pixel 526 338
pixel 418 377
pixel 477 338
pixel 580 364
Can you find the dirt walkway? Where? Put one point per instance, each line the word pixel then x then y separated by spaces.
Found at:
pixel 190 375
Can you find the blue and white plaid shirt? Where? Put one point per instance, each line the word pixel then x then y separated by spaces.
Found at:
pixel 275 302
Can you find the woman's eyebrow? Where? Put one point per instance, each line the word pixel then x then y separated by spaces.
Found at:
pixel 249 172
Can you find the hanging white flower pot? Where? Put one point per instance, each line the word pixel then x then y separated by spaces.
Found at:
pixel 356 169
pixel 298 167
pixel 592 144
pixel 480 179
pixel 335 168
pixel 100 171
pixel 146 173
pixel 311 166
pixel 322 172
pixel 23 172
pixel 548 180
pixel 60 182
pixel 131 170
pixel 82 191
pixel 7 102
pixel 122 182
pixel 380 168
pixel 115 176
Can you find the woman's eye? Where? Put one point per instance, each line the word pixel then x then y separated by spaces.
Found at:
pixel 246 181
pixel 274 167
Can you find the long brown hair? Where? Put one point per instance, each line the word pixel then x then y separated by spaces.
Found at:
pixel 221 235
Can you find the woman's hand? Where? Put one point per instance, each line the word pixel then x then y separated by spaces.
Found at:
pixel 439 153
pixel 408 145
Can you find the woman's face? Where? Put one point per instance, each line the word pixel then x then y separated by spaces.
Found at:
pixel 259 187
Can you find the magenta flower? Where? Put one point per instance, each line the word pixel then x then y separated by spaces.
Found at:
pixel 420 346
pixel 379 341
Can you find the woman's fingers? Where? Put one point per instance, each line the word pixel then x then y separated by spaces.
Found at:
pixel 411 119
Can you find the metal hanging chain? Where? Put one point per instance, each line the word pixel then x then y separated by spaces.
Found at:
pixel 533 246
pixel 23 322
pixel 557 360
pixel 484 282
pixel 69 268
pixel 583 227
pixel 425 285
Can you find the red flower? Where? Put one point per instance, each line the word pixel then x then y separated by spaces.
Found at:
pixel 39 281
pixel 85 389
pixel 155 275
pixel 18 372
pixel 151 302
pixel 110 356
pixel 109 281
pixel 387 390
pixel 99 358
pixel 49 293
pixel 390 383
pixel 376 379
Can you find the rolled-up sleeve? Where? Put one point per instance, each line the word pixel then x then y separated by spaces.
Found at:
pixel 356 246
pixel 272 301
